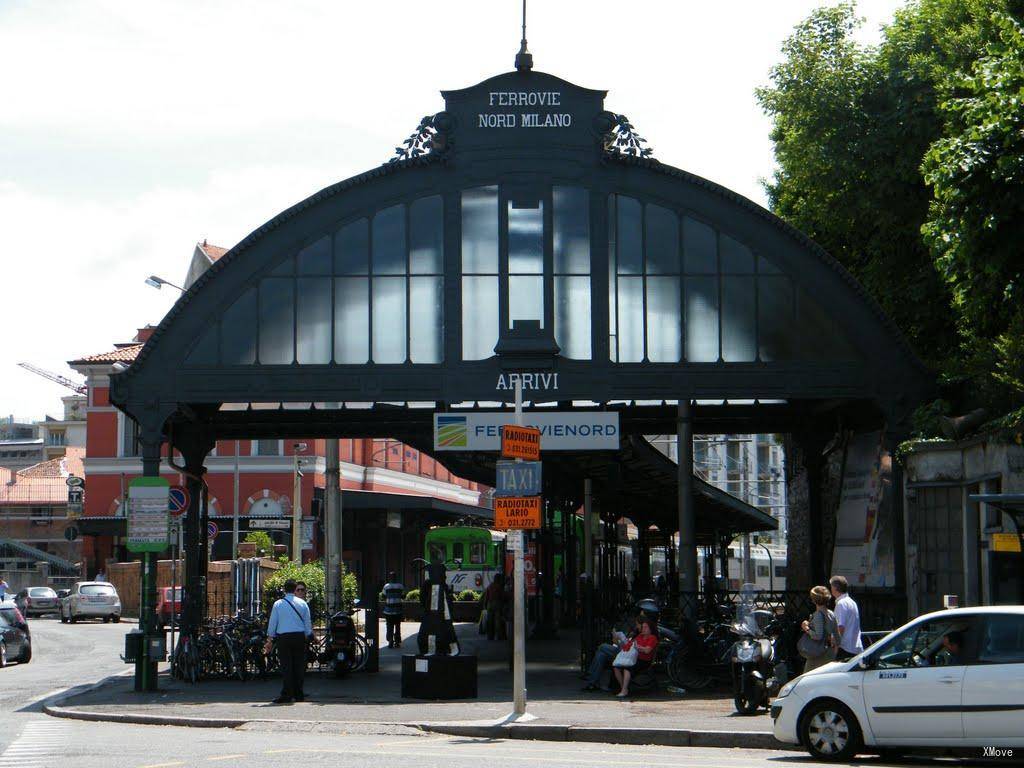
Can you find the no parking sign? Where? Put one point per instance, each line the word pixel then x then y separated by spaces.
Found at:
pixel 178 500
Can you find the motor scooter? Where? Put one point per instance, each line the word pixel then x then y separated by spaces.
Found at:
pixel 340 652
pixel 757 672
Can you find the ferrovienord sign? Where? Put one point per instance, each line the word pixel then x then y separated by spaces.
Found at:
pixel 559 430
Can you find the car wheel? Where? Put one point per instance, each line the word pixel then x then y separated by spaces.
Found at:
pixel 830 731
pixel 3 654
pixel 116 619
pixel 106 619
pixel 26 656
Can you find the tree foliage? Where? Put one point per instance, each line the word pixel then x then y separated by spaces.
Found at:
pixel 975 225
pixel 264 544
pixel 853 125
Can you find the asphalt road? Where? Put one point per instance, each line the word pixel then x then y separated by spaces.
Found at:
pixel 63 656
pixel 69 655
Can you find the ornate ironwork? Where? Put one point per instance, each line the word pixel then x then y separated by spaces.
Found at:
pixel 623 139
pixel 421 142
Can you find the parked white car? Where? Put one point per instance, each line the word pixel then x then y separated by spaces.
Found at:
pixel 91 600
pixel 952 679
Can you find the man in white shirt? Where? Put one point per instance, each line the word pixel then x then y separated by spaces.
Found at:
pixel 848 619
pixel 290 624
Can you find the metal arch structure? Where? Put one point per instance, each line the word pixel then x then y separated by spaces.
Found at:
pixel 522 133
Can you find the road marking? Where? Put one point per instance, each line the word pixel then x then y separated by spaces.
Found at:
pixel 225 757
pixel 41 743
pixel 163 765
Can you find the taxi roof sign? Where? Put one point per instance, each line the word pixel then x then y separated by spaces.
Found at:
pixel 520 442
pixel 516 512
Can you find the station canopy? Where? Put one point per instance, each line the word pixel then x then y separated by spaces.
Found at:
pixel 523 231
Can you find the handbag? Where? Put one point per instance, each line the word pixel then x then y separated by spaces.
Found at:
pixel 627 657
pixel 810 648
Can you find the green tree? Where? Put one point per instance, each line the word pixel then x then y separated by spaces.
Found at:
pixel 975 225
pixel 264 544
pixel 852 124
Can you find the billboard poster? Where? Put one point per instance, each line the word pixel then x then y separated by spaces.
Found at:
pixel 865 547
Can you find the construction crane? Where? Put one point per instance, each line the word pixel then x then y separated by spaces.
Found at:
pixel 56 378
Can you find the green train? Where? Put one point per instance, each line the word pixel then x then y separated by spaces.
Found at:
pixel 471 555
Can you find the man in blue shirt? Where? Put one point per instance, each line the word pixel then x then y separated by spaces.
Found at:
pixel 290 625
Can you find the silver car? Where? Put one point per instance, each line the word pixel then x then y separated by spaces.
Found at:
pixel 91 600
pixel 36 601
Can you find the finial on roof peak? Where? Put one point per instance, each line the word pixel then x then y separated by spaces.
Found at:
pixel 524 59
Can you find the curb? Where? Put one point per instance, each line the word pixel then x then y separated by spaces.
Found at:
pixel 662 737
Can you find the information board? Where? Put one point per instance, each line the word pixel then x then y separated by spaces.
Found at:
pixel 148 514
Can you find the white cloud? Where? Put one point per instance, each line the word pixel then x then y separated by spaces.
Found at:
pixel 132 129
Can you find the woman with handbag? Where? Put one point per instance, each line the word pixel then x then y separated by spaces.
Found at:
pixel 637 654
pixel 821 632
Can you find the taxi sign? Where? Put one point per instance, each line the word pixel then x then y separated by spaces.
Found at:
pixel 520 442
pixel 511 512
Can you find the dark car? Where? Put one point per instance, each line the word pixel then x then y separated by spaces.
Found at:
pixel 36 601
pixel 15 638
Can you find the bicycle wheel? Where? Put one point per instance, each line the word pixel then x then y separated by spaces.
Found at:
pixel 360 652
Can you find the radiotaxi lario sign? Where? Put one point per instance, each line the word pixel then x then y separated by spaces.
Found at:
pixel 512 512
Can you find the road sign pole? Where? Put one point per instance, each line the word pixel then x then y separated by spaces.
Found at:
pixel 519 604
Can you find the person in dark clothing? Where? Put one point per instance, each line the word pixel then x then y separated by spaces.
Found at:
pixel 289 627
pixel 394 593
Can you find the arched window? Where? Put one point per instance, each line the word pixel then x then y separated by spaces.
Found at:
pixel 371 291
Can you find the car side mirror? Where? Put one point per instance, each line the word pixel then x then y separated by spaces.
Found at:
pixel 864 664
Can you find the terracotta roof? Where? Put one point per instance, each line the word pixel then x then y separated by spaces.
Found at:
pixel 32 490
pixel 213 252
pixel 123 354
pixel 69 464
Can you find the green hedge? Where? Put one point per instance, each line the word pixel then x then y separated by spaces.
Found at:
pixel 315 578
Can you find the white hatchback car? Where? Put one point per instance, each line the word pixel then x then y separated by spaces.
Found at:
pixel 952 679
pixel 91 600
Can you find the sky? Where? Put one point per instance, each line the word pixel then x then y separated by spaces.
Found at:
pixel 130 130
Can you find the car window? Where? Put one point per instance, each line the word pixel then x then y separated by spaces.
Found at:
pixel 940 642
pixel 1003 640
pixel 42 592
pixel 96 589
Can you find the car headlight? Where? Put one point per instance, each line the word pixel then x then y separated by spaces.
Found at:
pixel 787 689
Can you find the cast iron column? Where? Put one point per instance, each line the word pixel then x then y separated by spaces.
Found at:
pixel 146 670
pixel 687 554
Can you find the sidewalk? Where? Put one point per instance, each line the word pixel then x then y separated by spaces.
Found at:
pixel 561 710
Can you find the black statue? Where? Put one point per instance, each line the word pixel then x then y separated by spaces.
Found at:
pixel 437 632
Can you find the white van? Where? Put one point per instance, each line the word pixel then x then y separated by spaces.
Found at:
pixel 951 679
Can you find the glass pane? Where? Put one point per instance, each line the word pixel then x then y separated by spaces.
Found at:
pixel 701 319
pixel 389 327
pixel 277 320
pixel 526 240
pixel 315 258
pixel 269 447
pixel 664 341
pixel 765 267
pixel 352 249
pixel 426 236
pixel 238 331
pixel 630 240
pixel 631 319
pixel 351 320
pixel 479 317
pixel 571 219
pixel 525 298
pixel 613 344
pixel 775 328
pixel 736 257
pixel 480 231
pixel 572 316
pixel 698 248
pixel 425 320
pixel 738 343
pixel 314 316
pixel 389 241
pixel 286 267
pixel 819 338
pixel 205 350
pixel 662 241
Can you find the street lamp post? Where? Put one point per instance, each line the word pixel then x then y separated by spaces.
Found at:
pixel 297 449
pixel 159 282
